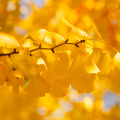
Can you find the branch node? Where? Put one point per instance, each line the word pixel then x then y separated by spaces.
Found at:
pixel 82 41
pixel 76 45
pixel 30 54
pixel 53 50
pixel 66 40
pixel 15 50
pixel 9 55
pixel 40 46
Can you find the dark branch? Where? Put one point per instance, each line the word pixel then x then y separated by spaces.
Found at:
pixel 39 48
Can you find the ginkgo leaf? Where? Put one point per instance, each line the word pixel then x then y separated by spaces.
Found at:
pixel 27 43
pixel 86 84
pixel 116 60
pixel 16 78
pixel 6 62
pixel 95 56
pixel 115 74
pixel 64 58
pixel 8 41
pixel 24 51
pixel 3 74
pixel 50 59
pixel 40 68
pixel 52 75
pixel 72 50
pixel 16 89
pixel 2 78
pixel 75 31
pixel 25 63
pixel 104 63
pixel 20 78
pixel 102 60
pixel 76 35
pixel 38 58
pixel 12 79
pixel 37 87
pixel 51 38
pixel 115 80
pixel 60 88
pixel 92 29
pixel 81 66
pixel 59 93
pixel 7 50
pixel 95 30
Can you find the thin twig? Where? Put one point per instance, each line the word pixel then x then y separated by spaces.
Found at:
pixel 39 48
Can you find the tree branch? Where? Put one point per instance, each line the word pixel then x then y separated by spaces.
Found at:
pixel 39 48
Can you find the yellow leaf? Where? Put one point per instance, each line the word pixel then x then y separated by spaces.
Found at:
pixel 40 68
pixel 81 66
pixel 102 60
pixel 2 78
pixel 64 58
pixel 27 43
pixel 5 60
pixel 3 74
pixel 16 78
pixel 115 80
pixel 116 60
pixel 16 89
pixel 51 38
pixel 24 51
pixel 85 84
pixel 25 63
pixel 75 31
pixel 95 56
pixel 95 30
pixel 8 41
pixel 20 78
pixel 50 59
pixel 52 75
pixel 60 88
pixel 104 63
pixel 12 79
pixel 38 87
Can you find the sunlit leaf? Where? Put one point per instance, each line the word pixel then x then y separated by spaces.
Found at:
pixel 82 65
pixel 104 63
pixel 49 37
pixel 8 41
pixel 102 60
pixel 116 61
pixel 74 30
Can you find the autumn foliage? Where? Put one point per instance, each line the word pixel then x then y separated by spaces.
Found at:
pixel 59 59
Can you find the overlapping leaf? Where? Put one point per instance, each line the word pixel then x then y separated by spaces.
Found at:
pixel 102 60
pixel 7 40
pixel 3 74
pixel 82 65
pixel 16 78
pixel 37 87
pixel 86 84
pixel 47 59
